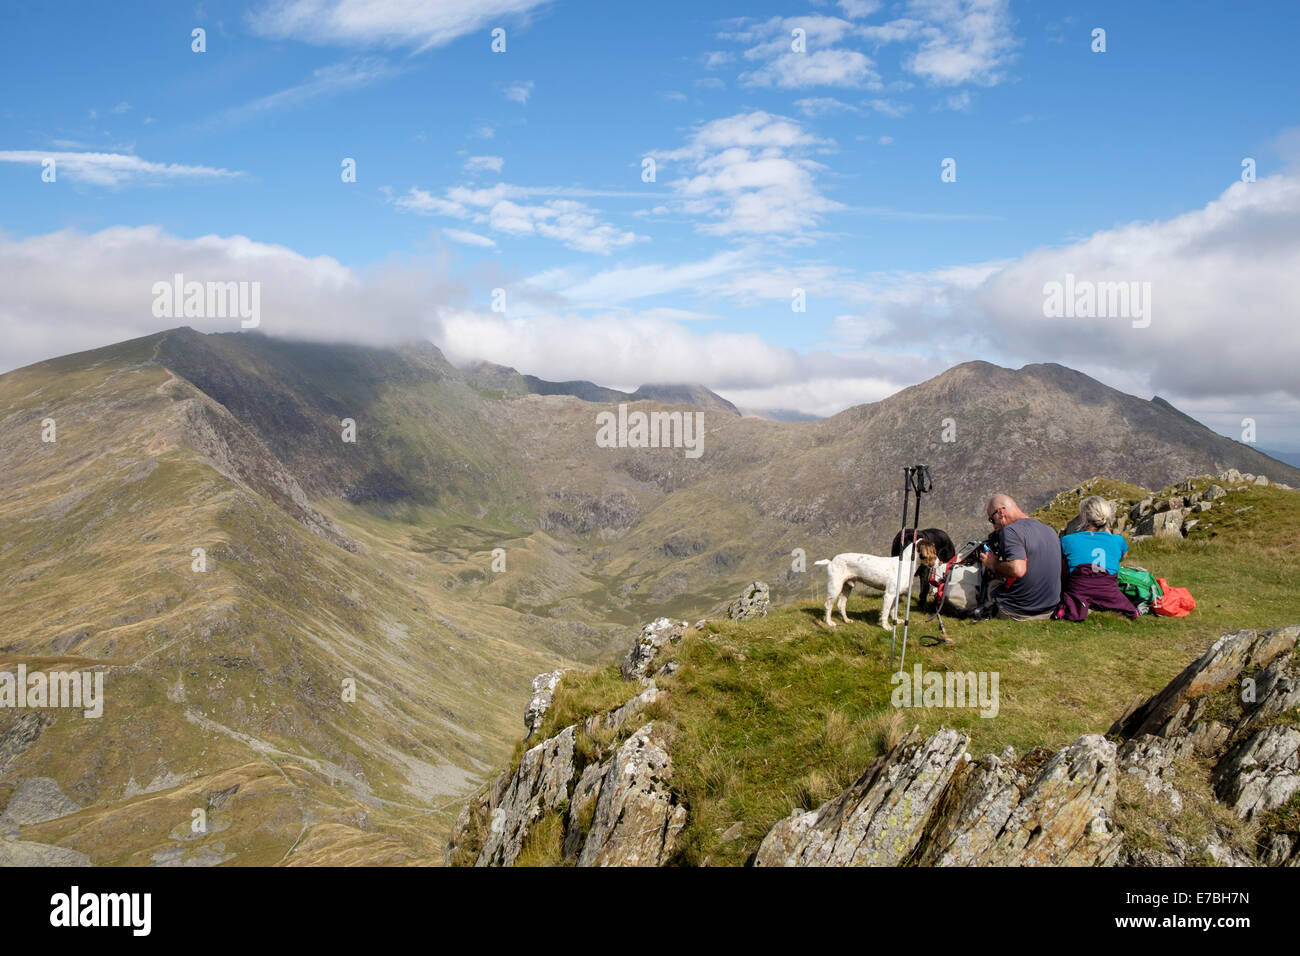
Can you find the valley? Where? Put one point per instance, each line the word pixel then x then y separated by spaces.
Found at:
pixel 372 563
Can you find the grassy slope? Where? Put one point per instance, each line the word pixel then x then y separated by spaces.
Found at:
pixel 233 676
pixel 781 713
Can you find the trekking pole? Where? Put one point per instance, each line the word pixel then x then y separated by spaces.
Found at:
pixel 919 482
pixel 902 543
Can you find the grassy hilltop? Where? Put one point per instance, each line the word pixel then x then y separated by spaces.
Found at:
pixel 776 713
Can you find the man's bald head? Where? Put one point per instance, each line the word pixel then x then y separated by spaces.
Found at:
pixel 1002 501
pixel 1002 510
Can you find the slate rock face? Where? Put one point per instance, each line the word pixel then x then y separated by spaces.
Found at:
pixel 540 784
pixel 654 637
pixel 616 808
pixel 540 703
pixel 637 817
pixel 753 602
pixel 927 792
pixel 879 820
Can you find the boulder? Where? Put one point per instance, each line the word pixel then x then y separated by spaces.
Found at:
pixel 636 819
pixel 1162 524
pixel 1167 712
pixel 1261 773
pixel 878 821
pixel 753 602
pixel 1141 509
pixel 1213 493
pixel 1261 481
pixel 654 636
pixel 540 703
pixel 1066 818
pixel 540 785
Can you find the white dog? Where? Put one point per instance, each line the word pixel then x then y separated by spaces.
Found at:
pixel 845 570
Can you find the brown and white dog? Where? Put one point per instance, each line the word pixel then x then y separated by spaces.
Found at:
pixel 938 539
pixel 961 592
pixel 845 570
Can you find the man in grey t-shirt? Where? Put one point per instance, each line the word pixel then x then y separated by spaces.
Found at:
pixel 1029 569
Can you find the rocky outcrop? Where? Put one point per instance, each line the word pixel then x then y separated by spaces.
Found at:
pixel 926 802
pixel 1066 817
pixel 1229 716
pixel 636 818
pixel 654 637
pixel 36 800
pixel 607 783
pixel 540 785
pixel 879 820
pixel 753 602
pixel 928 794
pixel 25 853
pixel 540 703
pixel 1171 711
pixel 1262 772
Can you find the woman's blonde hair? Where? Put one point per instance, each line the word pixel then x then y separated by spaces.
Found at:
pixel 1096 512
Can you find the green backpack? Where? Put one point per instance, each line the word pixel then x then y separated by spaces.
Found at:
pixel 1139 585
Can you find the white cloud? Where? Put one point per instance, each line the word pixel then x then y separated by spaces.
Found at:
pixel 425 203
pixel 857 9
pixel 950 42
pixel 890 108
pixel 519 91
pixel 564 220
pixel 792 71
pixel 113 169
pixel 814 106
pixel 68 290
pixel 748 175
pixel 481 163
pixel 1223 301
pixel 819 63
pixel 631 351
pixel 325 81
pixel 962 41
pixel 469 238
pixel 958 102
pixel 413 23
pixel 621 284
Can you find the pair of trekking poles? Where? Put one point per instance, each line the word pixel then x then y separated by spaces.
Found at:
pixel 916 482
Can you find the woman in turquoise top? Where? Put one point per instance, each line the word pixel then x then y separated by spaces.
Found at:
pixel 1090 565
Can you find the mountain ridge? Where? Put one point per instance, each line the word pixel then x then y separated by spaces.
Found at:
pixel 467 539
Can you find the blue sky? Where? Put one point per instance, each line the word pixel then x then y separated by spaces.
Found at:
pixel 776 169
